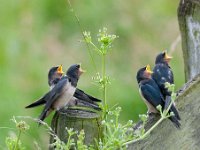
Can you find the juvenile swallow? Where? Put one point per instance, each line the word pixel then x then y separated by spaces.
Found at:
pixel 84 99
pixel 162 74
pixel 54 75
pixel 62 92
pixel 79 98
pixel 151 94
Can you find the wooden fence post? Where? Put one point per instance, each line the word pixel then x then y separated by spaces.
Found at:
pixel 77 119
pixel 189 23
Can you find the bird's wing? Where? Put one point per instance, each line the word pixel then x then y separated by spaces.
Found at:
pixel 152 95
pixel 81 103
pixel 171 77
pixel 52 96
pixel 84 96
pixel 43 99
pixel 163 74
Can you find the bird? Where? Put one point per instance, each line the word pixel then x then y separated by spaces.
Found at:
pixel 54 75
pixel 60 95
pixel 79 98
pixel 151 93
pixel 162 73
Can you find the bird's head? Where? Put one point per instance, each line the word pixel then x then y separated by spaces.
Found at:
pixel 75 71
pixel 163 58
pixel 55 73
pixel 144 73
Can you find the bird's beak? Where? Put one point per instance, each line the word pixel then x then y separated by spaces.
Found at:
pixel 81 71
pixel 167 57
pixel 59 70
pixel 148 69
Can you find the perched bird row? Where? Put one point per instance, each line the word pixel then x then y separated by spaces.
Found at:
pixel 152 86
pixel 63 91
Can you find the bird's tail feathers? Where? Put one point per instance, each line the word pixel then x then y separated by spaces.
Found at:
pixel 173 108
pixel 175 121
pixel 94 99
pixel 36 103
pixel 175 111
pixel 82 95
pixel 89 105
pixel 44 114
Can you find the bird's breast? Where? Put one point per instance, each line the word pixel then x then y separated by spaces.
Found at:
pixel 52 86
pixel 67 94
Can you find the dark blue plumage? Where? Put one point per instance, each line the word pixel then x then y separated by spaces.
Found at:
pixel 54 76
pixel 162 73
pixel 151 93
pixel 60 95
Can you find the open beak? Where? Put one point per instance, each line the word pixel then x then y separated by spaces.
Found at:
pixel 167 57
pixel 59 70
pixel 148 69
pixel 81 71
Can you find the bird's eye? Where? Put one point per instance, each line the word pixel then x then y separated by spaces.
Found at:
pixel 78 66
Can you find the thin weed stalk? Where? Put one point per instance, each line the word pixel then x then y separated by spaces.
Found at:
pixel 82 33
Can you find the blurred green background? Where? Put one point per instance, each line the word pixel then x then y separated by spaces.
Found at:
pixel 35 35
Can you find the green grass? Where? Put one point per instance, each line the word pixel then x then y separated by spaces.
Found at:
pixel 36 35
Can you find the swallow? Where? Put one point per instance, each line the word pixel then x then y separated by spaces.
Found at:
pixel 162 74
pixel 151 93
pixel 54 75
pixel 79 98
pixel 60 95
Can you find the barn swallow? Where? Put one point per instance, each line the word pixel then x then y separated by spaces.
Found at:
pixel 151 93
pixel 80 97
pixel 54 75
pixel 162 74
pixel 62 92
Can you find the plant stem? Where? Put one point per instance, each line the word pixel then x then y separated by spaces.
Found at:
pixel 18 137
pixel 68 140
pixel 147 133
pixel 104 83
pixel 153 127
pixel 171 103
pixel 116 121
pixel 95 48
pixel 80 27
